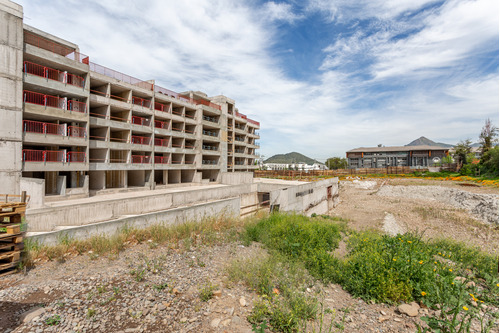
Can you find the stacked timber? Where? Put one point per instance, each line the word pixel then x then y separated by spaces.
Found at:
pixel 11 235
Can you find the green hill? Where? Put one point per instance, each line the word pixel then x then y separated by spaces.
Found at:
pixel 291 158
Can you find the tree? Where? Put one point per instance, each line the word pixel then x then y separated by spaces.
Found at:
pixel 489 162
pixel 334 163
pixel 462 150
pixel 488 136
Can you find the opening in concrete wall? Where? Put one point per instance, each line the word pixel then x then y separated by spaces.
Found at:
pixel 116 179
pixel 160 177
pixel 263 198
pixel 177 158
pixel 97 180
pixel 74 179
pixel 187 176
pixel 189 158
pixel 97 155
pixel 136 178
pixel 174 176
pixel 98 133
pixel 211 175
pixel 51 183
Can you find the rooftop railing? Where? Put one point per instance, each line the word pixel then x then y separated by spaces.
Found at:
pixel 120 76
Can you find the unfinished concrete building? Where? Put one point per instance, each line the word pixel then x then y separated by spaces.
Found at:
pixel 73 127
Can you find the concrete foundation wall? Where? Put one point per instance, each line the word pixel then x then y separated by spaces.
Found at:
pixel 235 178
pixel 35 188
pixel 227 207
pixel 308 198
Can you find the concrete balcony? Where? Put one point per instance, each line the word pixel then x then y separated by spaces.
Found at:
pixel 54 87
pixel 53 113
pixel 54 166
pixel 56 140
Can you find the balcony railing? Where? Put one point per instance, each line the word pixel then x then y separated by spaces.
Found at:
pixel 77 132
pixel 141 159
pixel 162 124
pixel 140 140
pixel 76 157
pixel 31 126
pixel 53 74
pixel 141 101
pixel 208 118
pixel 54 102
pixel 140 121
pixel 161 142
pixel 30 155
pixel 162 107
pixel 162 159
pixel 209 133
pixel 207 147
pixel 35 40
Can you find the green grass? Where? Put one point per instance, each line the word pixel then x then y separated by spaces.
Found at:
pixel 210 231
pixel 377 268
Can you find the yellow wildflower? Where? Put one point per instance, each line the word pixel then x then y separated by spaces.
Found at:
pixel 420 262
pixel 465 308
pixel 409 242
pixel 450 270
pixel 394 259
pixel 423 293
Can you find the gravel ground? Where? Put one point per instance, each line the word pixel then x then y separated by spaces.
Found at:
pixel 484 207
pixel 156 289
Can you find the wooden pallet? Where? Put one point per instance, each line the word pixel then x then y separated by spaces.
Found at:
pixel 11 235
pixel 10 257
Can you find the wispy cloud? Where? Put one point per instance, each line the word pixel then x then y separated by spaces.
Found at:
pixel 392 70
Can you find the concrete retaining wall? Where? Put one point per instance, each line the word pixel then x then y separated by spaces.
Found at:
pixel 308 198
pixel 227 207
pixel 48 218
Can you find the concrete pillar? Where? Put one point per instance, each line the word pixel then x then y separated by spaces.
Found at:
pixel 223 142
pixel 11 90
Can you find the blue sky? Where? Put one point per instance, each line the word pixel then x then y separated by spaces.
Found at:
pixel 322 77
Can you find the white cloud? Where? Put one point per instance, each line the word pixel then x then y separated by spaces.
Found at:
pixel 280 12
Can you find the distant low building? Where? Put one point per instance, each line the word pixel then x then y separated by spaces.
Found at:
pixel 381 157
pixel 293 166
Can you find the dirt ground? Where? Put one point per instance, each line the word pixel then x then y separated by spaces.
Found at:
pixel 150 288
pixel 366 210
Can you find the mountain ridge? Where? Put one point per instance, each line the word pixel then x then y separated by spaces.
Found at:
pixel 423 141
